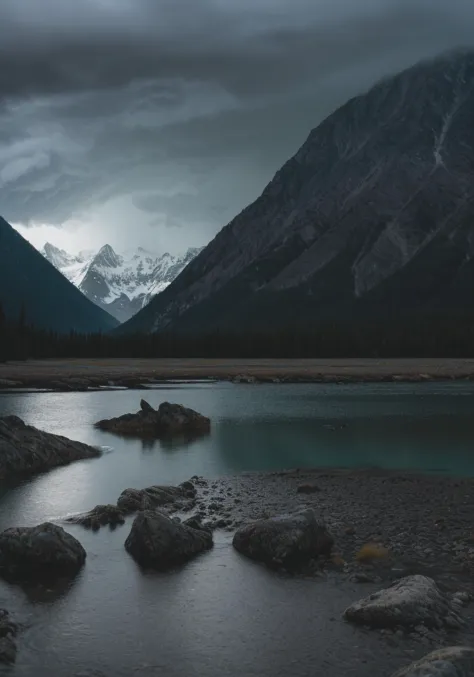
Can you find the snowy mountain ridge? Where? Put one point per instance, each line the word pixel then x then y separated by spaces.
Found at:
pixel 119 283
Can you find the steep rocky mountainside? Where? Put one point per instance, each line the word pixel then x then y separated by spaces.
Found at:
pixel 373 216
pixel 49 300
pixel 119 283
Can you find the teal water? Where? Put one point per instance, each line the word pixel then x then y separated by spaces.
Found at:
pixel 221 615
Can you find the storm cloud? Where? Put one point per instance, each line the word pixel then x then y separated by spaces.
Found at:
pixel 154 122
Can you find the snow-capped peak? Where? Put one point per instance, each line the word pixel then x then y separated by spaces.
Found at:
pixel 119 283
pixel 107 257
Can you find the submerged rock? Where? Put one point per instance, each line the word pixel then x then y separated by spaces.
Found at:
pixel 8 631
pixel 409 602
pixel 159 542
pixel 454 661
pixel 287 540
pixel 39 552
pixel 168 419
pixel 99 516
pixel 181 497
pixel 24 449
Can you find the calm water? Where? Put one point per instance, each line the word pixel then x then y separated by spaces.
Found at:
pixel 220 615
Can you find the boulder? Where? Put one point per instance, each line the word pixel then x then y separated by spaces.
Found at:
pixel 181 497
pixel 8 631
pixel 99 516
pixel 24 449
pixel 453 661
pixel 168 420
pixel 409 602
pixel 195 522
pixel 287 540
pixel 159 542
pixel 38 552
pixel 308 489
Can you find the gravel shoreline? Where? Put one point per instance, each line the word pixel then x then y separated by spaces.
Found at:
pixel 79 375
pixel 423 522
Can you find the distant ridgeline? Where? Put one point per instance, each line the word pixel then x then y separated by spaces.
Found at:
pixel 31 285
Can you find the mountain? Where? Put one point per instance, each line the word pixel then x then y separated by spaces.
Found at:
pixel 49 300
pixel 121 284
pixel 373 217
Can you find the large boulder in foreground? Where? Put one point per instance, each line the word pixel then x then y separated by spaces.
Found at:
pixel 168 420
pixel 181 497
pixel 288 540
pixel 454 661
pixel 39 552
pixel 158 542
pixel 25 449
pixel 409 602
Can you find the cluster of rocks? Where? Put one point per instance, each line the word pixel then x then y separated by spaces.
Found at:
pixel 168 419
pixel 181 498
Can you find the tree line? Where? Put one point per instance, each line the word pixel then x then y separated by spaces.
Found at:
pixel 424 336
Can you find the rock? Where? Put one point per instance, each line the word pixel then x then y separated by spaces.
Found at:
pixel 38 552
pixel 24 449
pixel 182 497
pixel 99 516
pixel 244 378
pixel 411 601
pixel 147 408
pixel 195 522
pixel 8 631
pixel 286 540
pixel 308 489
pixel 169 419
pixel 7 650
pixel 158 542
pixel 454 661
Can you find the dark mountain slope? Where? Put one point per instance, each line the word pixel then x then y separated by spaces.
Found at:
pixel 50 301
pixel 374 215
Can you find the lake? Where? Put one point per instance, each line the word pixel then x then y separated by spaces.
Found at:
pixel 220 615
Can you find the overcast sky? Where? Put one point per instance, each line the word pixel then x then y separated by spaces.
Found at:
pixel 153 122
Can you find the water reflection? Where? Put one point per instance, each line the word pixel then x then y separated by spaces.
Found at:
pixel 46 591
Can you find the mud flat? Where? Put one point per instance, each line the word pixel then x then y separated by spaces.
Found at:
pixel 83 374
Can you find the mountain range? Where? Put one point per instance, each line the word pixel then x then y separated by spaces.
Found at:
pixel 31 285
pixel 121 284
pixel 372 217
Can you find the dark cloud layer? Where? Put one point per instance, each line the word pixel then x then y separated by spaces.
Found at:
pixel 180 111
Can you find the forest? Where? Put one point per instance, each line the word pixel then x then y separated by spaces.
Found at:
pixel 425 336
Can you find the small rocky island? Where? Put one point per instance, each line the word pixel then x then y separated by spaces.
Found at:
pixel 27 450
pixel 168 420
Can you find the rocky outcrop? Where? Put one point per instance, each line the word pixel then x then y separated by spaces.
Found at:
pixel 169 419
pixel 8 631
pixel 181 497
pixel 39 552
pixel 287 540
pixel 99 516
pixel 454 661
pixel 408 603
pixel 24 449
pixel 159 542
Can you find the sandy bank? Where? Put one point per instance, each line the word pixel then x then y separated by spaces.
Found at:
pixel 78 374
